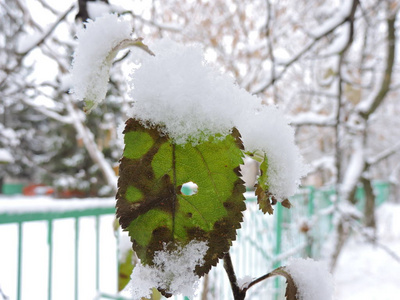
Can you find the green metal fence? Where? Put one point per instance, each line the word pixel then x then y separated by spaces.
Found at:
pixel 76 213
pixel 264 243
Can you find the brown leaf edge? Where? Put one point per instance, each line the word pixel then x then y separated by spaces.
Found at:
pixel 222 235
pixel 265 200
pixel 291 287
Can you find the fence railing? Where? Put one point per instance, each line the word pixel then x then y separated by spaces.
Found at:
pixel 263 243
pixel 24 214
pixel 267 242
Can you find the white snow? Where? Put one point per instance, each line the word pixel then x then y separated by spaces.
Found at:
pixel 337 18
pixel 368 271
pixel 307 118
pixel 172 271
pixel 364 270
pixel 266 129
pixel 244 282
pixel 178 89
pixel 25 205
pixel 124 245
pixel 355 167
pixel 93 56
pixel 5 156
pixel 312 278
pixel 98 9
pixel 35 250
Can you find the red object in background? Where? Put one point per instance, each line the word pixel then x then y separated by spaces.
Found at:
pixel 37 189
pixel 71 194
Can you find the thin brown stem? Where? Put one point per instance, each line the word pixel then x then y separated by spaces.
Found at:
pixel 238 294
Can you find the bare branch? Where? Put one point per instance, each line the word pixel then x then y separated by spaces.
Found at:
pixel 48 32
pixel 90 145
pixel 313 119
pixel 305 50
pixel 385 85
pixel 161 26
pixel 384 154
pixel 47 112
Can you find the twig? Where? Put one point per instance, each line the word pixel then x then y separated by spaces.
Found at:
pixel 386 81
pixel 4 296
pixel 49 31
pixel 258 280
pixel 238 294
pixel 384 154
pixel 357 227
pixel 305 50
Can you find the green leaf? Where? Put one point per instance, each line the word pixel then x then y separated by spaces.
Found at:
pixel 264 198
pixel 151 206
pixel 125 270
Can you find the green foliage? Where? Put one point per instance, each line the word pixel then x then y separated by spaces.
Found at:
pixel 151 206
pixel 125 270
pixel 264 198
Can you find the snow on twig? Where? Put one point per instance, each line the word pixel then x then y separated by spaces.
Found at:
pixel 384 154
pixel 312 119
pixel 25 49
pixel 341 18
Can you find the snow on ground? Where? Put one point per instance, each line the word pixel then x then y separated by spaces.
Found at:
pixel 366 271
pixel 36 250
pixel 19 205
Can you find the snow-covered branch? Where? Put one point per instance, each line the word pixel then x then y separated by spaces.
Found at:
pixel 48 112
pixel 161 26
pixel 88 140
pixel 25 49
pixel 312 119
pixel 326 30
pixel 384 154
pixel 369 106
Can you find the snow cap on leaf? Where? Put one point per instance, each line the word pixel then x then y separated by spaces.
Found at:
pixel 192 100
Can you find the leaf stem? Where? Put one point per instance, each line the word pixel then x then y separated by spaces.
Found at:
pixel 174 184
pixel 238 294
pixel 259 279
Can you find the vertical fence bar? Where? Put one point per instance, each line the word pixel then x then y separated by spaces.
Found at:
pixel 76 257
pixel 97 253
pixel 19 275
pixel 278 244
pixel 50 258
pixel 310 212
pixel 118 252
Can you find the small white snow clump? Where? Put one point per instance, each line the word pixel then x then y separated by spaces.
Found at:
pixel 177 88
pixel 172 271
pixel 312 278
pixel 91 66
pixel 244 282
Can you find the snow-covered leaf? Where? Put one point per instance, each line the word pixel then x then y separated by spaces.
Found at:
pixel 99 43
pixel 152 207
pixel 311 279
pixel 264 198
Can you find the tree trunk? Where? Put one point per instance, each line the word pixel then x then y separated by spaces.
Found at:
pixel 369 209
pixel 342 235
